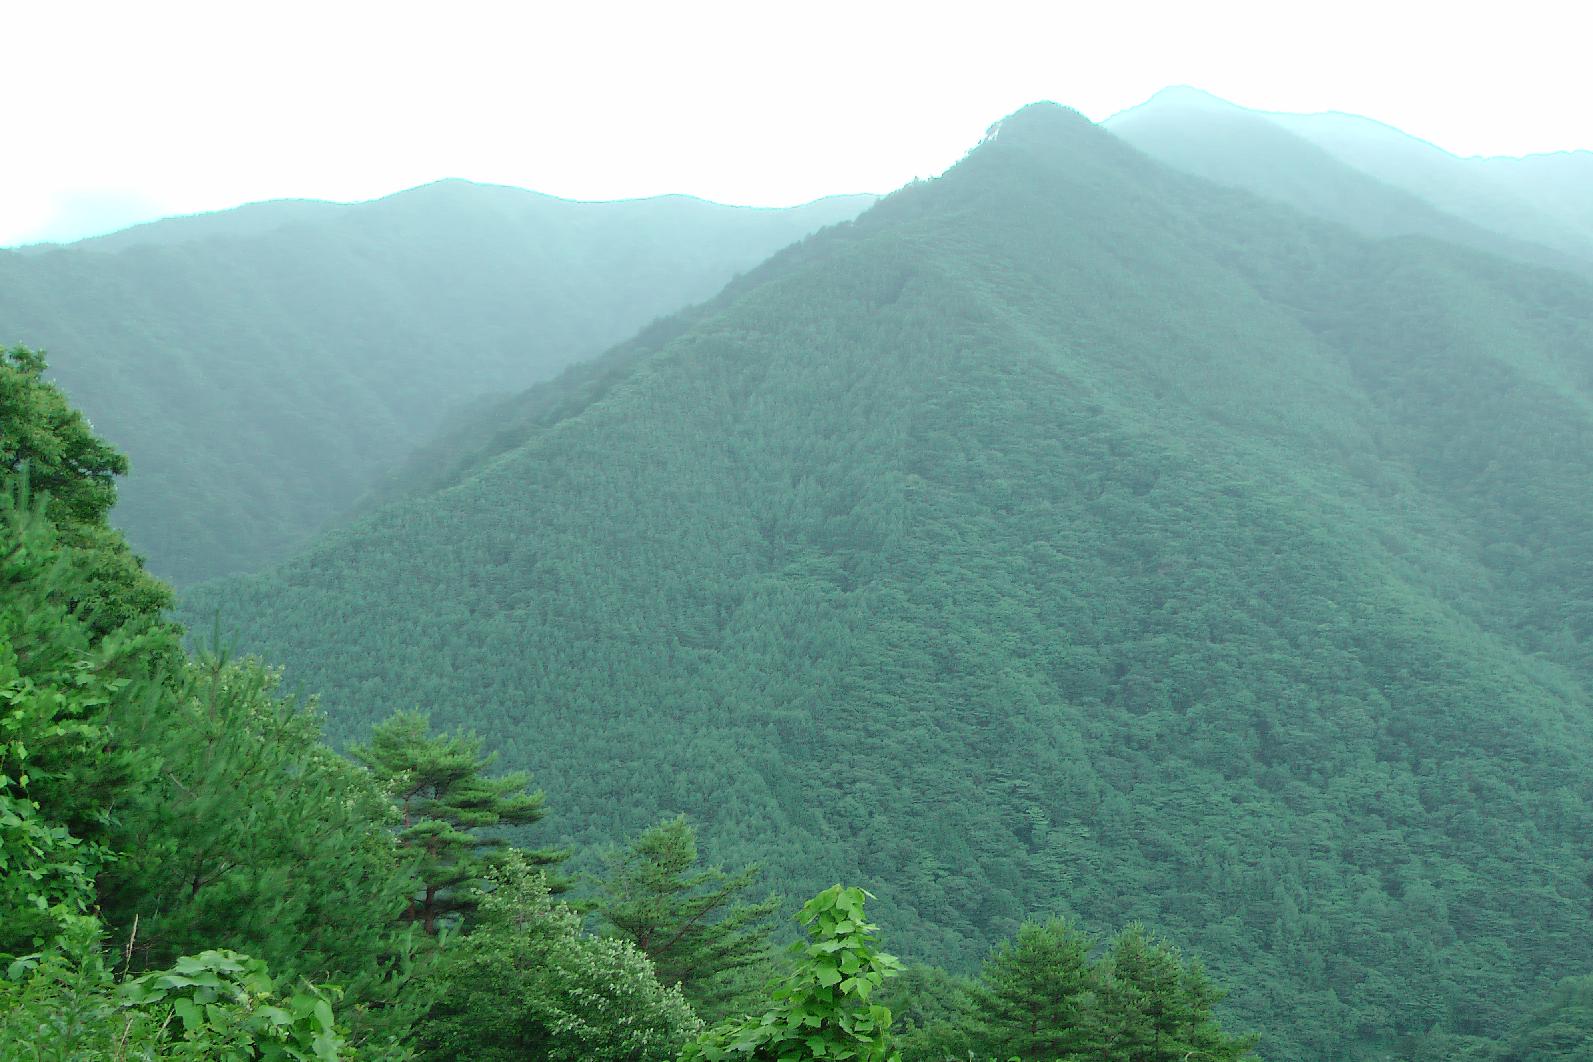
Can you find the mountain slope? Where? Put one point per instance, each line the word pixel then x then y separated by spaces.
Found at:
pixel 1064 533
pixel 1562 181
pixel 263 367
pixel 251 219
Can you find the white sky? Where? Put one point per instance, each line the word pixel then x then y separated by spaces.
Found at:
pixel 121 110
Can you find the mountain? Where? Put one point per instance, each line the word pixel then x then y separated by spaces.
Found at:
pixel 263 367
pixel 1066 533
pixel 1373 177
pixel 251 219
pixel 1504 195
pixel 1198 133
pixel 1560 181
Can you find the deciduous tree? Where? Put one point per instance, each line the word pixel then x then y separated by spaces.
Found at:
pixel 528 983
pixel 825 1007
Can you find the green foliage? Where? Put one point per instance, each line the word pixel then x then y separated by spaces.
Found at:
pixel 228 1007
pixel 51 440
pixel 60 1004
pixel 256 837
pixel 61 683
pixel 689 920
pixel 181 800
pixel 267 372
pixel 194 808
pixel 1043 997
pixel 823 1007
pixel 1151 1006
pixel 48 445
pixel 46 874
pixel 218 1006
pixel 445 801
pixel 1559 1027
pixel 527 983
pixel 1035 992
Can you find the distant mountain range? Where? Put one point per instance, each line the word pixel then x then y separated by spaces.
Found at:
pixel 1375 178
pixel 265 366
pixel 1066 533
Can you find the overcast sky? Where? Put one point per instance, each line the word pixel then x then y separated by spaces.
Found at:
pixel 118 111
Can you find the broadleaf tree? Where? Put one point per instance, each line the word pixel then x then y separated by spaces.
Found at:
pixel 49 445
pixel 824 1008
pixel 526 982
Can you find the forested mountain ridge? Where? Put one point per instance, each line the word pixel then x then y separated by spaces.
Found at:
pixel 250 219
pixel 1374 178
pixel 266 365
pixel 1546 198
pixel 1063 533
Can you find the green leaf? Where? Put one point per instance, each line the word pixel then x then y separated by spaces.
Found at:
pixel 189 1012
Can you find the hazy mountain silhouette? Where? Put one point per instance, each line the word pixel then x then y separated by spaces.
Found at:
pixel 262 367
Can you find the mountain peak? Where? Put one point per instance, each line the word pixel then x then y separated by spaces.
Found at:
pixel 1189 95
pixel 1049 142
pixel 1176 97
pixel 1038 119
pixel 1049 131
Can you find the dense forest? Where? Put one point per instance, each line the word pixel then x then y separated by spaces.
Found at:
pixel 1064 536
pixel 268 365
pixel 189 873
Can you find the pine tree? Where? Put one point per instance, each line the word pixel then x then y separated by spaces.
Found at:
pixel 1151 1007
pixel 687 920
pixel 445 800
pixel 1036 991
pixel 255 837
